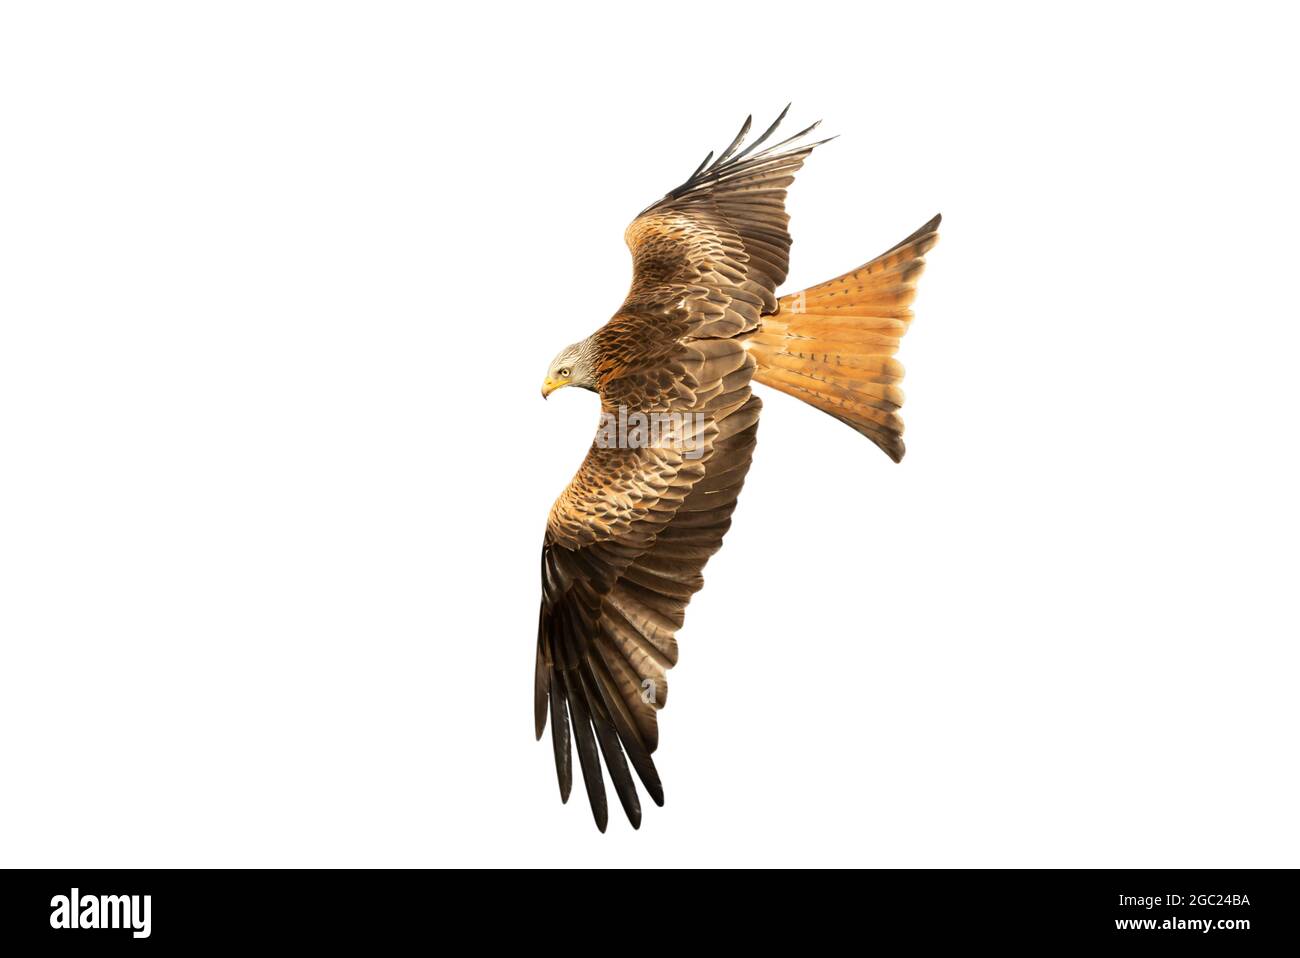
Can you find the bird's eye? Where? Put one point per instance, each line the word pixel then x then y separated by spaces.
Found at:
pixel 563 372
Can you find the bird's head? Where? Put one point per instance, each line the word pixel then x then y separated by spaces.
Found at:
pixel 574 366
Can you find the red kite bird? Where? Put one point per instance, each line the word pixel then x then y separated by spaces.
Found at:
pixel 627 540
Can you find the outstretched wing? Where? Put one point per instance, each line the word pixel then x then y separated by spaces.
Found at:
pixel 707 259
pixel 627 541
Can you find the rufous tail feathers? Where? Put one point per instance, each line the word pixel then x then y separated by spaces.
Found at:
pixel 833 345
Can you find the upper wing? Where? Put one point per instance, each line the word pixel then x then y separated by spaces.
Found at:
pixel 706 262
pixel 627 540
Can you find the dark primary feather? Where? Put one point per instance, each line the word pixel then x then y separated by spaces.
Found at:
pixel 766 133
pixel 703 163
pixel 560 737
pixel 725 154
pixel 611 751
pixel 587 757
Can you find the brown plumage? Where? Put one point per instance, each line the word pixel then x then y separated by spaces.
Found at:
pixel 627 541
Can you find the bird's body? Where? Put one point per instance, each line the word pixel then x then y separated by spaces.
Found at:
pixel 627 540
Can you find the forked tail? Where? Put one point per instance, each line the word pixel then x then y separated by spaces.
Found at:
pixel 833 345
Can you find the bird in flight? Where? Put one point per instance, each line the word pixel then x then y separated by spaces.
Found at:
pixel 627 540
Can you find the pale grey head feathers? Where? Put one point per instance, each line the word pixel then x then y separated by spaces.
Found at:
pixel 573 366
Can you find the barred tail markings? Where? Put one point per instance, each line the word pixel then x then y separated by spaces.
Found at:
pixel 833 345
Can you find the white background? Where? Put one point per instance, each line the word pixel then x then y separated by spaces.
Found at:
pixel 278 287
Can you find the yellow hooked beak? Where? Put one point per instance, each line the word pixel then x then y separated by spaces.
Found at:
pixel 549 385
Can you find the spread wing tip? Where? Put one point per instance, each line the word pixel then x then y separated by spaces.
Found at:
pixel 729 162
